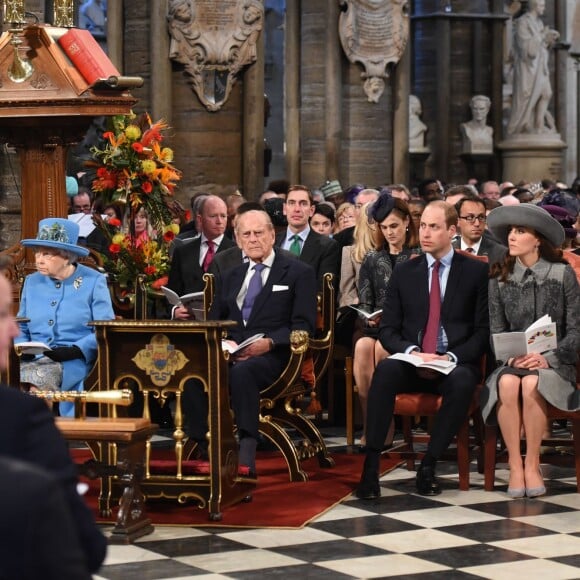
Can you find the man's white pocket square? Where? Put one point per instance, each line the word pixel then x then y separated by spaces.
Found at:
pixel 279 288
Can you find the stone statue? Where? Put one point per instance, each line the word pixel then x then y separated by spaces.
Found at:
pixel 417 128
pixel 532 89
pixel 477 137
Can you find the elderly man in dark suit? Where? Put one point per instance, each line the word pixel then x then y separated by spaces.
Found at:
pixel 435 308
pixel 473 237
pixel 191 260
pixel 272 295
pixel 28 433
pixel 320 252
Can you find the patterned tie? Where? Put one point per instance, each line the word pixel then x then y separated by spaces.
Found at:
pixel 432 328
pixel 254 288
pixel 209 255
pixel 470 250
pixel 295 245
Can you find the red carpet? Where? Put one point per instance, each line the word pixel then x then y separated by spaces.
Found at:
pixel 277 502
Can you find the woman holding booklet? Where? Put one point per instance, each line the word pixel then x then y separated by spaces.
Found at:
pixel 395 240
pixel 532 281
pixel 58 302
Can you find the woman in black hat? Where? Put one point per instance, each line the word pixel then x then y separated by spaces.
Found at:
pixel 395 240
pixel 532 281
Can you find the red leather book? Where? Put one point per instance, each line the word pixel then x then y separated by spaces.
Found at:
pixel 87 56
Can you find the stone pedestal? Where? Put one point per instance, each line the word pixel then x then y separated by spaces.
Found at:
pixel 532 157
pixel 479 165
pixel 417 158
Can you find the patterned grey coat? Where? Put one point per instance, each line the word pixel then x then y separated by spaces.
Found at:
pixel 529 293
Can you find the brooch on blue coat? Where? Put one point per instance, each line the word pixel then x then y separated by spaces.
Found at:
pixel 78 282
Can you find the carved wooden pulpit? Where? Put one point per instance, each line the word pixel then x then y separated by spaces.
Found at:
pixel 45 107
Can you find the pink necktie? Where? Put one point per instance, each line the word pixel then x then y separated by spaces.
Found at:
pixel 432 328
pixel 209 255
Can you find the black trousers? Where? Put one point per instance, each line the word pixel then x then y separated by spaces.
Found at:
pixel 392 377
pixel 246 380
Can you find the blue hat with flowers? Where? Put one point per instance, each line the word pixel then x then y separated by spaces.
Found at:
pixel 57 233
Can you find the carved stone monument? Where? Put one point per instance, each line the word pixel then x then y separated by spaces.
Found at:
pixel 417 128
pixel 533 147
pixel 214 40
pixel 374 33
pixel 476 135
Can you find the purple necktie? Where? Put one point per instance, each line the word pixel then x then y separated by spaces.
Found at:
pixel 432 328
pixel 254 288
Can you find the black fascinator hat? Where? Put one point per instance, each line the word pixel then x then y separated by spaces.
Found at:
pixel 379 210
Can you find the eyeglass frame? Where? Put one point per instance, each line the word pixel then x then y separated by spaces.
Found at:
pixel 471 218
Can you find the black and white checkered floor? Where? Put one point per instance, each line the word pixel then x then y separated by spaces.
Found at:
pixel 456 535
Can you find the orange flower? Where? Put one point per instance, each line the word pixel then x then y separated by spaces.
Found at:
pixel 114 248
pixel 137 147
pixel 150 270
pixel 147 187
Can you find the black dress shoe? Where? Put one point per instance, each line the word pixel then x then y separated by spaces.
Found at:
pixel 369 487
pixel 426 482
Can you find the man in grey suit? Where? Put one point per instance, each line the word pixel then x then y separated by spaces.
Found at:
pixel 320 252
pixel 473 238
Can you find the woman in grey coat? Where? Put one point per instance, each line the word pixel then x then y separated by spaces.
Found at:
pixel 533 280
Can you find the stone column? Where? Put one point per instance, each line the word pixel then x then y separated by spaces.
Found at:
pixel 115 33
pixel 253 130
pixel 333 94
pixel 292 90
pixel 160 88
pixel 402 80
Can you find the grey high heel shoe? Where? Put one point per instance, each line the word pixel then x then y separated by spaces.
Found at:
pixel 536 491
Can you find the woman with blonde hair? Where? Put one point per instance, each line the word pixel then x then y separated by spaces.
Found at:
pixel 345 217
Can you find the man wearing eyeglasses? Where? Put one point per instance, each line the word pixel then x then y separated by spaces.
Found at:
pixel 473 236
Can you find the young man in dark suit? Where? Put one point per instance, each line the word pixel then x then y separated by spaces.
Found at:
pixel 191 260
pixel 320 252
pixel 473 238
pixel 271 294
pixel 28 433
pixel 435 308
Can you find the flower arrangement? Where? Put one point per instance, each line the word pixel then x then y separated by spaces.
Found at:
pixel 134 170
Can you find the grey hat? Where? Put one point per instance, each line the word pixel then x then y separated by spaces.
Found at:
pixel 528 215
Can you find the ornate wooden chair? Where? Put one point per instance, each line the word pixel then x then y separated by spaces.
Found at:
pixel 280 409
pixel 564 450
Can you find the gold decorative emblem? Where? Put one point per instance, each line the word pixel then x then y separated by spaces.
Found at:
pixel 78 282
pixel 160 360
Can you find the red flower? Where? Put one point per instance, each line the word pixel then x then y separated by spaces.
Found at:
pixel 150 270
pixel 147 187
pixel 137 147
pixel 188 215
pixel 168 236
pixel 160 282
pixel 108 134
pixel 102 172
pixel 114 248
pixel 114 222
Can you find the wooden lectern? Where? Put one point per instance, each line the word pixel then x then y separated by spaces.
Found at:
pixel 45 107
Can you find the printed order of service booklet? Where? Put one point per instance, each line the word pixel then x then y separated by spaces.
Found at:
pixel 538 337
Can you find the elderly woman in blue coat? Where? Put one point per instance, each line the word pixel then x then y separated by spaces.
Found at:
pixel 59 301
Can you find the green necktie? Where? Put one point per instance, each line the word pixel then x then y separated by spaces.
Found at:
pixel 295 245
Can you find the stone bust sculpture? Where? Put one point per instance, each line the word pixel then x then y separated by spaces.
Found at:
pixel 417 128
pixel 532 89
pixel 476 135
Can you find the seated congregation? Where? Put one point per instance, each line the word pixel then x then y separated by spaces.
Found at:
pixel 418 290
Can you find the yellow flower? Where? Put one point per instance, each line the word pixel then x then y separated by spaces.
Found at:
pixel 118 239
pixel 171 228
pixel 167 154
pixel 133 132
pixel 148 166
